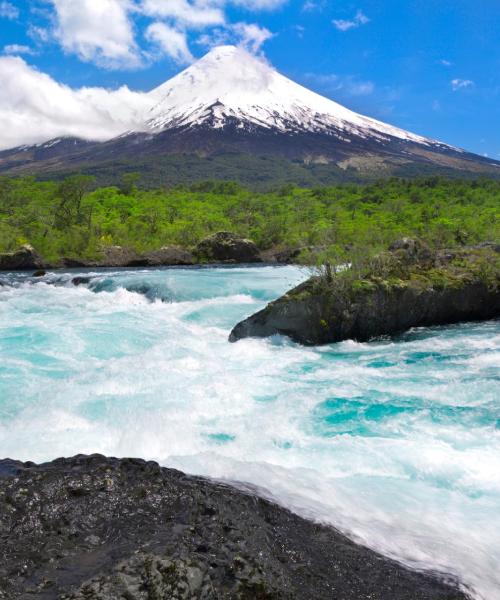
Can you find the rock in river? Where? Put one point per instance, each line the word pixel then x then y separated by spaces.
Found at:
pixel 400 289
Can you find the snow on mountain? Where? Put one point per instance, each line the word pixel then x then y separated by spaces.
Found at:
pixel 227 88
pixel 231 103
pixel 229 84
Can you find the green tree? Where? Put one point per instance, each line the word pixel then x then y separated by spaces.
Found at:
pixel 70 194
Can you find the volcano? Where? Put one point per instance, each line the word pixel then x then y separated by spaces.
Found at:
pixel 230 106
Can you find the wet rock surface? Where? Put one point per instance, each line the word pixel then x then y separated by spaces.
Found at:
pixel 93 528
pixel 76 281
pixel 418 290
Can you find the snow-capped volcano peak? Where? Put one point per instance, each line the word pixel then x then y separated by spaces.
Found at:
pixel 230 85
pixel 235 106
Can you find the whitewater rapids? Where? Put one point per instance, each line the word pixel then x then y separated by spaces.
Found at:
pixel 396 442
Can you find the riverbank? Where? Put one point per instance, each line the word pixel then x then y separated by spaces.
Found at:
pixel 220 248
pixel 98 528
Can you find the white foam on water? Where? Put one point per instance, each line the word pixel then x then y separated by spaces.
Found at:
pixel 395 442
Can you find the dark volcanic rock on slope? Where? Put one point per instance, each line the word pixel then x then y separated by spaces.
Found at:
pixel 91 528
pixel 409 287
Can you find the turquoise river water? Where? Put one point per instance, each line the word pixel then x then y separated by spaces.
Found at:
pixel 396 442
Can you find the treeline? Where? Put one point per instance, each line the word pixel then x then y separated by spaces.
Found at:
pixel 73 218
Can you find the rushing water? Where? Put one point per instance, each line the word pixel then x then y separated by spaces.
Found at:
pixel 396 442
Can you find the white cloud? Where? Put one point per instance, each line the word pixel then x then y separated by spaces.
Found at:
pixel 309 6
pixel 35 108
pixel 8 11
pixel 249 35
pixel 314 5
pixel 258 4
pixel 172 42
pixel 252 36
pixel 98 31
pixel 17 49
pixel 461 84
pixel 38 34
pixel 216 37
pixel 361 88
pixel 349 84
pixel 103 31
pixel 299 30
pixel 199 13
pixel 344 25
pixel 445 63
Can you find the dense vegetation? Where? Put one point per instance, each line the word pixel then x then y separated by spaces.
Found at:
pixel 72 218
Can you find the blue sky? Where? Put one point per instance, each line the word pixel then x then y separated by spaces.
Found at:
pixel 432 67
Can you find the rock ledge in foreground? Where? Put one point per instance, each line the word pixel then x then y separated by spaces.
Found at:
pixel 415 290
pixel 95 528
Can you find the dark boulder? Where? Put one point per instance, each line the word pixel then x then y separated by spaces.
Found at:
pixel 227 247
pixel 78 263
pixel 324 309
pixel 39 273
pixel 80 281
pixel 111 256
pixel 93 528
pixel 169 256
pixel 24 259
pixel 120 256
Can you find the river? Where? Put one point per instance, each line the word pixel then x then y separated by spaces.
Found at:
pixel 396 442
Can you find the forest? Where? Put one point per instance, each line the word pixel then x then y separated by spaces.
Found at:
pixel 74 217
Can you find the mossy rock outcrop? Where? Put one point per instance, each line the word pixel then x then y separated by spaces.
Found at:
pixel 227 247
pixel 24 259
pixel 414 290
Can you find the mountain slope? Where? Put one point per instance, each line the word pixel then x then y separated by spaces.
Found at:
pixel 230 84
pixel 233 103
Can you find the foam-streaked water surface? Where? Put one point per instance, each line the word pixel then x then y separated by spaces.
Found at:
pixel 396 442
